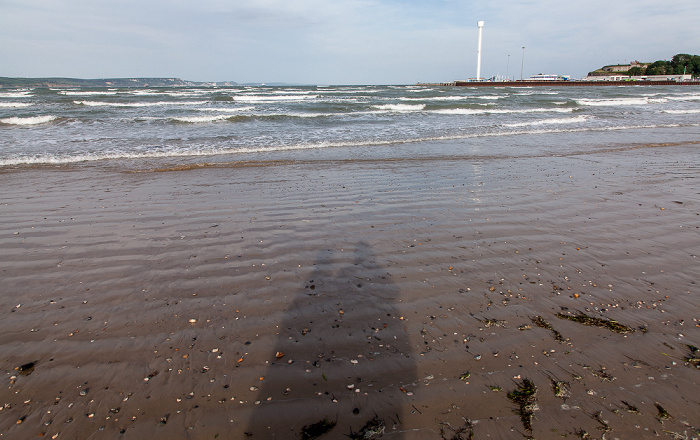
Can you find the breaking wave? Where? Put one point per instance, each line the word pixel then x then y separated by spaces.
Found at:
pixel 472 111
pixel 14 104
pixel 400 107
pixel 273 98
pixel 551 121
pixel 201 119
pixel 31 120
pixel 619 101
pixel 693 111
pixel 137 104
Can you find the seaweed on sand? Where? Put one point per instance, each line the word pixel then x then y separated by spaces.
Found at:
pixel 598 417
pixel 488 322
pixel 694 357
pixel 524 397
pixel 540 322
pixel 465 432
pixel 609 324
pixel 561 389
pixel 662 413
pixel 372 429
pixel 601 374
pixel 316 430
pixel 631 408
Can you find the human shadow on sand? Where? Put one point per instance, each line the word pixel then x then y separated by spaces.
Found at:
pixel 342 366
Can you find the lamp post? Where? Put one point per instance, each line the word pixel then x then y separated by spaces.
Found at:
pixel 522 66
pixel 507 66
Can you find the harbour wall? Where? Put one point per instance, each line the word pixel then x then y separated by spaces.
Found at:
pixel 562 83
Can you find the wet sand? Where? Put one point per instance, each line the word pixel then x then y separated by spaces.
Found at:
pixel 253 300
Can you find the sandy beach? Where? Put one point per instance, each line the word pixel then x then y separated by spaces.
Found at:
pixel 429 298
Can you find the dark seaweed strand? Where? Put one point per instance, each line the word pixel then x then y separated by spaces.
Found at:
pixel 372 429
pixel 310 432
pixel 540 322
pixel 609 324
pixel 662 413
pixel 694 357
pixel 524 397
pixel 457 434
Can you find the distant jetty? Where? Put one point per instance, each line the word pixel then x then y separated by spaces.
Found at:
pixel 527 83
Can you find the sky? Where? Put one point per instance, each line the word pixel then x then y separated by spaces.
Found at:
pixel 336 41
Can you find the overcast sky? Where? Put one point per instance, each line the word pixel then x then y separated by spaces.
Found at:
pixel 336 41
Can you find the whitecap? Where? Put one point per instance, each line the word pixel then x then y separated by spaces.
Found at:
pixel 136 104
pixel 400 107
pixel 437 98
pixel 226 110
pixel 618 101
pixel 31 120
pixel 14 104
pixel 272 98
pixel 201 119
pixel 685 97
pixel 551 121
pixel 471 111
pixel 86 93
pixel 22 94
pixel 693 111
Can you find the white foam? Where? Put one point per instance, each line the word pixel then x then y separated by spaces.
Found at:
pixel 693 111
pixel 472 111
pixel 22 94
pixel 32 120
pixel 685 97
pixel 349 91
pixel 145 92
pixel 293 92
pixel 273 98
pixel 86 93
pixel 201 119
pixel 437 98
pixel 400 107
pixel 225 110
pixel 189 93
pixel 619 101
pixel 14 104
pixel 90 157
pixel 184 93
pixel 137 104
pixel 551 121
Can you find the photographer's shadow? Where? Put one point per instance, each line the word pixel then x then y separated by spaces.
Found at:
pixel 342 363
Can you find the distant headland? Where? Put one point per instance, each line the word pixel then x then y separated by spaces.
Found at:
pixel 106 82
pixel 59 82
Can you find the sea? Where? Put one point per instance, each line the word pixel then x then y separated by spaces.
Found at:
pixel 135 127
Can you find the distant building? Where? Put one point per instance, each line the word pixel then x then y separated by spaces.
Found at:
pixel 607 78
pixel 639 78
pixel 546 77
pixel 624 67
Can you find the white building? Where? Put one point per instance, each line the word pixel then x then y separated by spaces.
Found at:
pixel 640 78
pixel 546 77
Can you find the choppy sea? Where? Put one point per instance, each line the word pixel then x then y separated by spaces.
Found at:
pixel 204 124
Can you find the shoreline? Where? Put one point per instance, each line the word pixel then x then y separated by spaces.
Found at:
pixel 207 301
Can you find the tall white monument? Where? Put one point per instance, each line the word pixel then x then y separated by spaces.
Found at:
pixel 478 51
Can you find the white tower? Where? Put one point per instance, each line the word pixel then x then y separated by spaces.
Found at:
pixel 478 52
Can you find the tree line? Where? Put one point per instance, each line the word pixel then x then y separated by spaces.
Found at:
pixel 679 64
